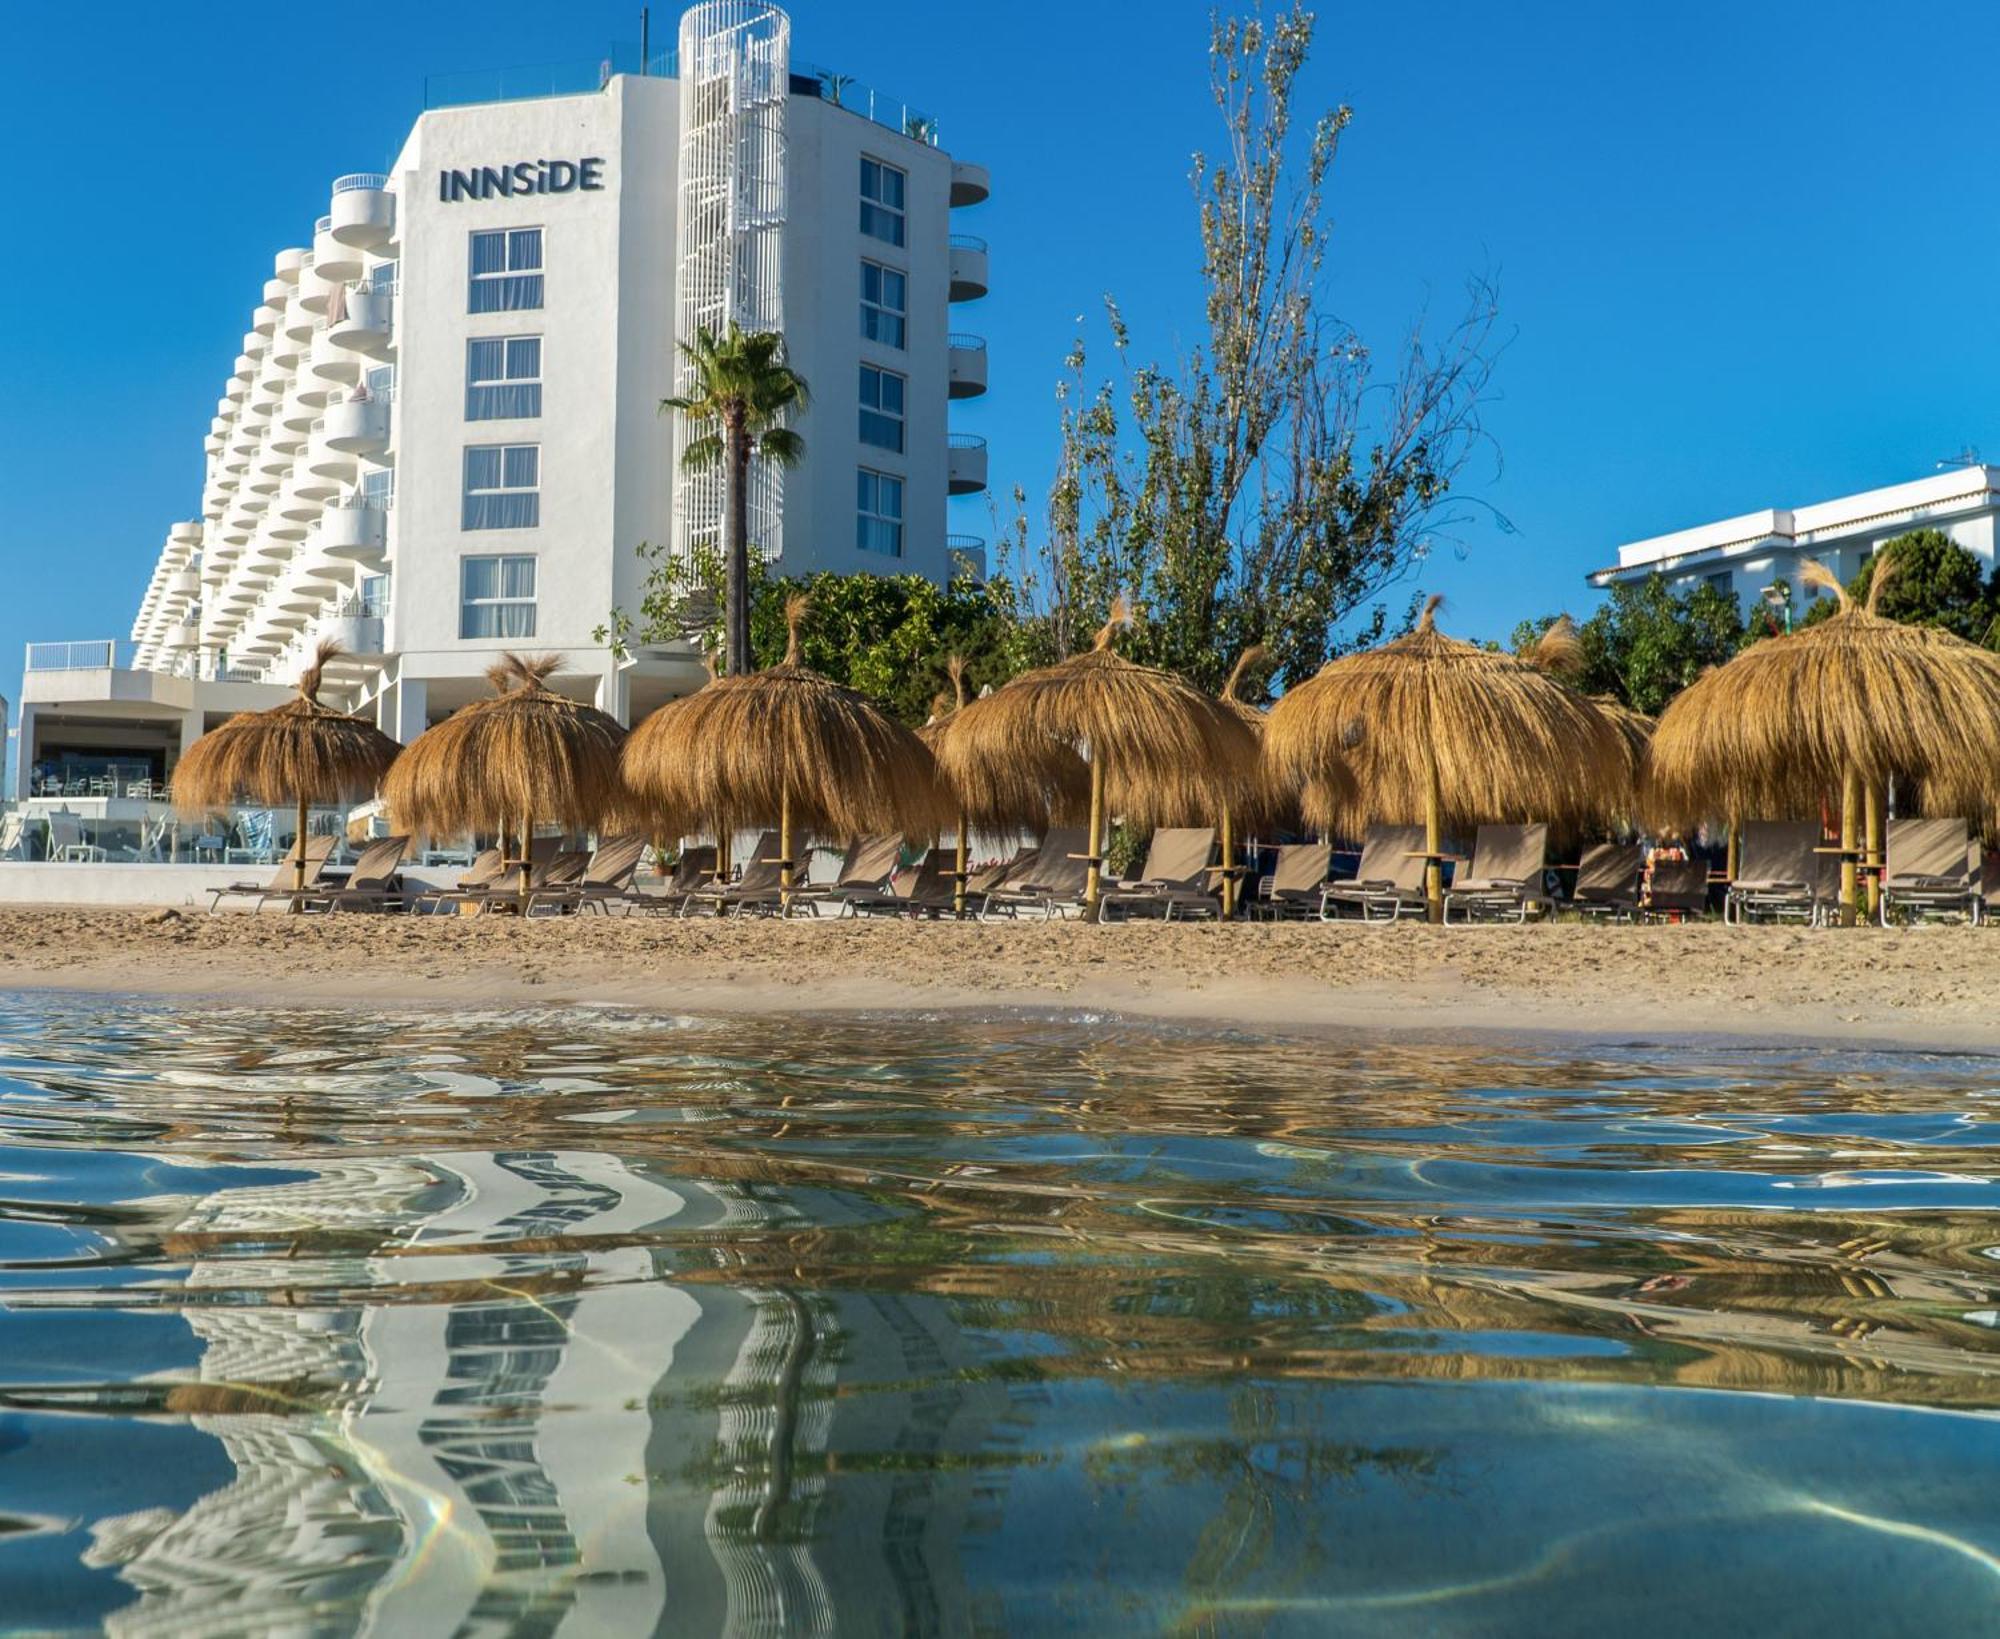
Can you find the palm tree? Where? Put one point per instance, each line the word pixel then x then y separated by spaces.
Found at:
pixel 742 395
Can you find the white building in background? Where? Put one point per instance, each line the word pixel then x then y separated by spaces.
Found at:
pixel 1748 554
pixel 442 438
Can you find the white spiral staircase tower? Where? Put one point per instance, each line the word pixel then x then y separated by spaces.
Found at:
pixel 735 73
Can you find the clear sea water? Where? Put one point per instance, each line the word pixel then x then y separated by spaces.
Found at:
pixel 588 1323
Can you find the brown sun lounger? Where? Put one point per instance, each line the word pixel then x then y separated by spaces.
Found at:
pixel 1678 891
pixel 1503 881
pixel 285 884
pixel 925 891
pixel 481 874
pixel 1174 880
pixel 1053 882
pixel 606 876
pixel 1929 871
pixel 1389 881
pixel 694 867
pixel 759 886
pixel 375 884
pixel 1607 881
pixel 867 867
pixel 1296 882
pixel 1779 873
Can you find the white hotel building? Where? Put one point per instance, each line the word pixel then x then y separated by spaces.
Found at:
pixel 442 435
pixel 1748 554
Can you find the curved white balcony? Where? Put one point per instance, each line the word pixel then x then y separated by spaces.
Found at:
pixel 308 485
pixel 287 350
pixel 287 263
pixel 272 461
pixel 244 369
pixel 332 362
pixel 967 359
pixel 324 461
pixel 267 392
pixel 236 460
pixel 220 424
pixel 354 529
pixel 356 633
pixel 365 326
pixel 264 318
pixel 331 259
pixel 212 444
pixel 266 482
pixel 301 321
pixel 966 555
pixel 301 597
pixel 255 342
pixel 968 257
pixel 184 583
pixel 184 634
pixel 235 391
pixel 185 533
pixel 970 184
pixel 965 464
pixel 363 212
pixel 277 292
pixel 285 438
pixel 358 426
pixel 302 407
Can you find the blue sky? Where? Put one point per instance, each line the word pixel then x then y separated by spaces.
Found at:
pixel 1744 253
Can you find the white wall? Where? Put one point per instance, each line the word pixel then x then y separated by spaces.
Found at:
pixel 35 883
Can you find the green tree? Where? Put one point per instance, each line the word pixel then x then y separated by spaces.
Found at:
pixel 741 398
pixel 1274 484
pixel 1646 642
pixel 1934 582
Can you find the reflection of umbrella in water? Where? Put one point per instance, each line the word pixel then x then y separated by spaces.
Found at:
pixel 297 754
pixel 1029 794
pixel 1438 730
pixel 1846 705
pixel 789 747
pixel 525 755
pixel 1160 751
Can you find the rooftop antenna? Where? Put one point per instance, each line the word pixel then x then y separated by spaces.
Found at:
pixel 645 37
pixel 1968 456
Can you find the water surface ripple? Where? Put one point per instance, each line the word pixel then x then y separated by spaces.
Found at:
pixel 588 1322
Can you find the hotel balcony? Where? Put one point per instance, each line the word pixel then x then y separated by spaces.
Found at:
pixel 278 292
pixel 318 487
pixel 965 464
pixel 356 624
pixel 185 533
pixel 184 634
pixel 332 260
pixel 354 528
pixel 301 321
pixel 970 184
pixel 330 361
pixel 303 406
pixel 968 267
pixel 324 461
pixel 358 426
pixel 255 342
pixel 366 324
pixel 287 263
pixel 235 391
pixel 363 212
pixel 212 444
pixel 184 583
pixel 265 319
pixel 967 356
pixel 966 556
pixel 244 369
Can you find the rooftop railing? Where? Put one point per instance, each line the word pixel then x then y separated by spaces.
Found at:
pixel 359 179
pixel 965 441
pixel 967 241
pixel 95 655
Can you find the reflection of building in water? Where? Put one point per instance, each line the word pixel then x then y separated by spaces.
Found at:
pixel 492 1414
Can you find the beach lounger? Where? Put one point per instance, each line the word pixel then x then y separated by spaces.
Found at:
pixel 606 876
pixel 1929 871
pixel 1296 882
pixel 1174 880
pixel 925 891
pixel 480 875
pixel 982 884
pixel 867 867
pixel 1778 874
pixel 285 883
pixel 1607 881
pixel 500 886
pixel 1053 882
pixel 1389 881
pixel 1677 892
pixel 757 886
pixel 375 884
pixel 694 868
pixel 1503 882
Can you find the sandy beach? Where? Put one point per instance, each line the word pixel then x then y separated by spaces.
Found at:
pixel 1927 987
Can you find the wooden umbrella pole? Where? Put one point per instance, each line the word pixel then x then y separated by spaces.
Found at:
pixel 1850 825
pixel 1093 882
pixel 1874 847
pixel 1228 859
pixel 1734 862
pixel 1433 844
pixel 299 864
pixel 959 874
pixel 785 853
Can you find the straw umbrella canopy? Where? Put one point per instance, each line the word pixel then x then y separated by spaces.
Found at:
pixel 1030 794
pixel 523 756
pixel 1846 705
pixel 1438 730
pixel 1271 801
pixel 1159 749
pixel 296 754
pixel 790 747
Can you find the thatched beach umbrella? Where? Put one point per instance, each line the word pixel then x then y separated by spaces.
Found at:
pixel 1441 731
pixel 1844 706
pixel 789 747
pixel 1271 801
pixel 524 756
pixel 1030 794
pixel 297 754
pixel 1160 751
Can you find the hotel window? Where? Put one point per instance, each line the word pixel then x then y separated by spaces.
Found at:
pixel 503 378
pixel 884 301
pixel 881 408
pixel 506 270
pixel 878 525
pixel 496 597
pixel 378 487
pixel 380 382
pixel 502 486
pixel 882 188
